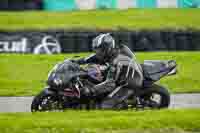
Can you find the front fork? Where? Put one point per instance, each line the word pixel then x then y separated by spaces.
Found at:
pixel 49 91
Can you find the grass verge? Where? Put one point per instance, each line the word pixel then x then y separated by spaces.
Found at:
pixel 132 19
pixel 163 121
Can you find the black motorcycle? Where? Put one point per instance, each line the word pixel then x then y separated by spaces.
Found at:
pixel 67 81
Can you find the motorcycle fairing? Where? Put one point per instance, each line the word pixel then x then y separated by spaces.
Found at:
pixel 63 73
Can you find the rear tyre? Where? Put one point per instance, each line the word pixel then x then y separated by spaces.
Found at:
pixel 155 96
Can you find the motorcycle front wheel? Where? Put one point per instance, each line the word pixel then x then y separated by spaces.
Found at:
pixel 46 102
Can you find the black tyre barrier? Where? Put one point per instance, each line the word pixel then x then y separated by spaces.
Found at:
pixel 73 41
pixel 18 5
pixel 4 5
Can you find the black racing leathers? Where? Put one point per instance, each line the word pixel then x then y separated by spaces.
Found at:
pixel 122 69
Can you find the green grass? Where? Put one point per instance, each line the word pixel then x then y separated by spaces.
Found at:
pixel 165 121
pixel 103 19
pixel 24 75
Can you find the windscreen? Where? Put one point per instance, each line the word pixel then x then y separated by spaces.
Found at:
pixel 63 73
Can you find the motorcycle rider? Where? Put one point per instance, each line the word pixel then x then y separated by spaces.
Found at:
pixel 123 69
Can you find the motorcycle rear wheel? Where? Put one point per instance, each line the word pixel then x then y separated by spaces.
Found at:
pixel 155 97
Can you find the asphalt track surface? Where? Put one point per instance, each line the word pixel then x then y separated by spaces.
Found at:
pixel 22 104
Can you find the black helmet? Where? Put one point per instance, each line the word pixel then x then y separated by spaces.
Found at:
pixel 103 45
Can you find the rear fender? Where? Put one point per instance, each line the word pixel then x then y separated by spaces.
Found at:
pixel 155 70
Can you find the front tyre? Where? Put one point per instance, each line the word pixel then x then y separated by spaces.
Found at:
pixel 155 96
pixel 45 102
